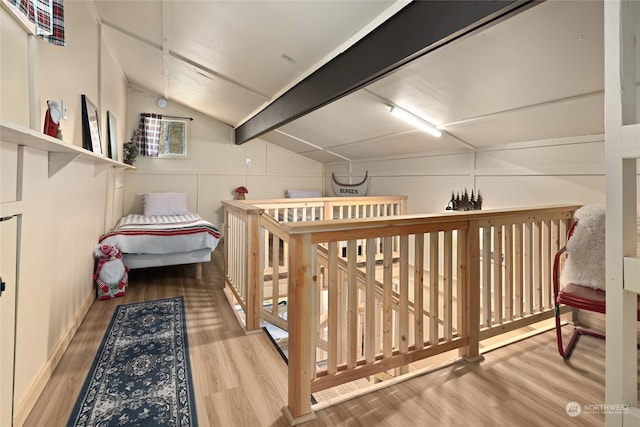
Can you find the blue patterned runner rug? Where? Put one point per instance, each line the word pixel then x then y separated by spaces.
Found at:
pixel 141 375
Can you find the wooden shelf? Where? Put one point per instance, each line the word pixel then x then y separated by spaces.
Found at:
pixel 60 152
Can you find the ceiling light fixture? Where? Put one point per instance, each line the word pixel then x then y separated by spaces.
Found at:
pixel 416 121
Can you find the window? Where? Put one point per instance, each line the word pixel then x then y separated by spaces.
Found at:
pixel 173 138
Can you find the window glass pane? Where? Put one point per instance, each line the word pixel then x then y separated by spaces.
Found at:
pixel 173 138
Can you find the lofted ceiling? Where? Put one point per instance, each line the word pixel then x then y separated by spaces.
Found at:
pixel 536 75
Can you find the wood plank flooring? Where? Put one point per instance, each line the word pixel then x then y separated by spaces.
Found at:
pixel 240 380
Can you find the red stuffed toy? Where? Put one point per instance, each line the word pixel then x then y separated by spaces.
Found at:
pixel 52 119
pixel 111 273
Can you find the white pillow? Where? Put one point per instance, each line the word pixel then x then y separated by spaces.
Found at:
pixel 165 204
pixel 301 194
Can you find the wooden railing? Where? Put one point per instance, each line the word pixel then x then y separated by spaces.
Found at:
pixel 429 284
pixel 242 261
pixel 251 254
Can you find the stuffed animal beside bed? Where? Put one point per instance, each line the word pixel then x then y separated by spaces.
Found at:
pixel 111 273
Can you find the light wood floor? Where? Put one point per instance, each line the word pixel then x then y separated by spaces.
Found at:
pixel 240 380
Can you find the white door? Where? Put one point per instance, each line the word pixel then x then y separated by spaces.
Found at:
pixel 8 250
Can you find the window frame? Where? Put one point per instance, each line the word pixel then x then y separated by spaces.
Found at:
pixel 164 124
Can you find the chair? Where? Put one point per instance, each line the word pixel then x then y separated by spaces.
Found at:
pixel 589 296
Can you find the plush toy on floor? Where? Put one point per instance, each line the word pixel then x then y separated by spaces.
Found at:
pixel 111 273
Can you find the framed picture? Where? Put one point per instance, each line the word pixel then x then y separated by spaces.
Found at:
pixel 90 127
pixel 112 130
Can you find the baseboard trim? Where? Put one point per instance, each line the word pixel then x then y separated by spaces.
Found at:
pixel 591 319
pixel 30 398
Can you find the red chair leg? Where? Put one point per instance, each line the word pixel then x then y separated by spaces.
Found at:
pixel 556 287
pixel 565 352
pixel 588 332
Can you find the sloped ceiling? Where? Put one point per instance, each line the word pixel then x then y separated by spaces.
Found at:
pixel 228 59
pixel 536 75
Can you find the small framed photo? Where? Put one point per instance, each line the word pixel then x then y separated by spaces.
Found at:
pixel 90 126
pixel 112 130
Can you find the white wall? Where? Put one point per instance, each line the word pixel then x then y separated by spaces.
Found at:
pixel 215 166
pixel 569 170
pixel 61 216
pixel 115 102
pixel 14 85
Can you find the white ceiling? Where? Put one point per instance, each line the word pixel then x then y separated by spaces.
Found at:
pixel 537 75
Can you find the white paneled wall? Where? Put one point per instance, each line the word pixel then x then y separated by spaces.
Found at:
pixel 13 82
pixel 569 170
pixel 215 166
pixel 60 217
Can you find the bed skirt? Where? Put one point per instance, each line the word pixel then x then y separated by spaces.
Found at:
pixel 134 261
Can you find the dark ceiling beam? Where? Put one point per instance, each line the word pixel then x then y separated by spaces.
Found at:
pixel 415 30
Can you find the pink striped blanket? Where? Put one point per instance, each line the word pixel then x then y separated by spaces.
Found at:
pixel 162 234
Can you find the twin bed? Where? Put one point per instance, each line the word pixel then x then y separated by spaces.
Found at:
pixel 167 233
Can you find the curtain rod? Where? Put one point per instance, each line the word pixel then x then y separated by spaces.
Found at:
pixel 178 117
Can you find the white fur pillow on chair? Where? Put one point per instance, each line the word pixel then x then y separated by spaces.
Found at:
pixel 585 263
